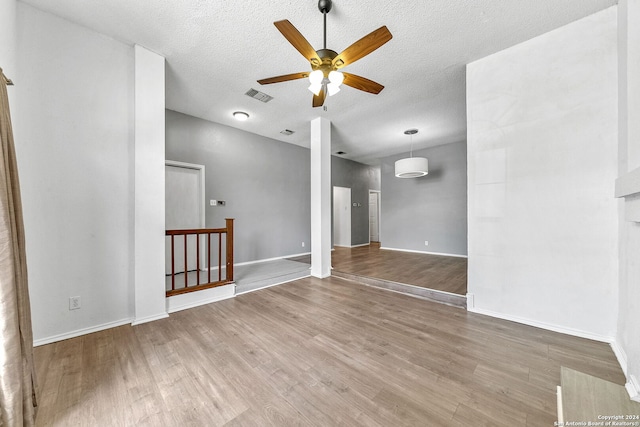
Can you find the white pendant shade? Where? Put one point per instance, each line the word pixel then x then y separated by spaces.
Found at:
pixel 412 167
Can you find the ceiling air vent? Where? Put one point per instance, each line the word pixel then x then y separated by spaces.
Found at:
pixel 260 96
pixel 286 132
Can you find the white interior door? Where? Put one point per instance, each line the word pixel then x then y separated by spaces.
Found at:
pixel 341 216
pixel 184 209
pixel 374 216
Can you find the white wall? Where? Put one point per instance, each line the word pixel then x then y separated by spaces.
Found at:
pixel 73 125
pixel 542 160
pixel 8 37
pixel 431 208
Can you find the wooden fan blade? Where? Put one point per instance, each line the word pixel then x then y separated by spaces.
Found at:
pixel 362 83
pixel 318 100
pixel 298 41
pixel 362 47
pixel 284 78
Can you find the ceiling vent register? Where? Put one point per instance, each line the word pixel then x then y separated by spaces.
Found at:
pixel 260 96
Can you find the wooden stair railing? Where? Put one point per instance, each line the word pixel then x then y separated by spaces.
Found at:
pixel 186 286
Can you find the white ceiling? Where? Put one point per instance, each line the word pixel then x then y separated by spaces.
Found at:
pixel 216 50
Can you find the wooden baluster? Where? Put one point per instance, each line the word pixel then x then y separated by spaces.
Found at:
pixel 186 271
pixel 197 259
pixel 229 222
pixel 219 257
pixel 209 257
pixel 173 266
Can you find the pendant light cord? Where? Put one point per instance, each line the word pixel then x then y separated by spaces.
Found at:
pixel 411 139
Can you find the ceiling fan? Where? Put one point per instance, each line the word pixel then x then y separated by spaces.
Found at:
pixel 325 63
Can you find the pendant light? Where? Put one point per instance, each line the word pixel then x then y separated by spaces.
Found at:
pixel 412 167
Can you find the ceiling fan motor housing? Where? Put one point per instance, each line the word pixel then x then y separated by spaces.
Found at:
pixel 326 55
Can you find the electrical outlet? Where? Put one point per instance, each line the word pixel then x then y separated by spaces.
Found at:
pixel 74 303
pixel 426 243
pixel 303 244
pixel 213 202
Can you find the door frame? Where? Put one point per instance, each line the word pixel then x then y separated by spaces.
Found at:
pixel 378 214
pixel 202 194
pixel 201 172
pixel 344 190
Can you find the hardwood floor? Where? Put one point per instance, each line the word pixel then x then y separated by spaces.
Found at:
pixel 442 273
pixel 314 352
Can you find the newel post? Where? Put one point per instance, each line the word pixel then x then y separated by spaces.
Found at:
pixel 229 226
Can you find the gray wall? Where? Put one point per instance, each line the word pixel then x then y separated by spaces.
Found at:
pixel 264 182
pixel 360 178
pixel 432 208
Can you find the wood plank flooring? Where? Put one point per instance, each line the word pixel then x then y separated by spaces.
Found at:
pixel 314 353
pixel 442 273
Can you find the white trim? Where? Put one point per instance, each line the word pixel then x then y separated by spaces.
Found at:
pixel 79 332
pixel 335 209
pixel 273 284
pixel 543 325
pixel 200 168
pixel 470 302
pixel 264 260
pixel 423 252
pixel 628 184
pixel 360 245
pixel 559 405
pixel 202 191
pixel 379 214
pixel 633 388
pixel 621 355
pixel 148 319
pixel 195 299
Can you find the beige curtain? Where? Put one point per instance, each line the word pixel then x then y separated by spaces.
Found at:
pixel 17 374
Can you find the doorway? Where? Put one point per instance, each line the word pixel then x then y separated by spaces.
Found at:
pixel 374 216
pixel 184 209
pixel 342 216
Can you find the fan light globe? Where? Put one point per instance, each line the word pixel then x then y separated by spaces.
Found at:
pixel 315 78
pixel 335 79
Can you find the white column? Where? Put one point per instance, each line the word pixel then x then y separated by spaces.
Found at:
pixel 150 301
pixel 320 197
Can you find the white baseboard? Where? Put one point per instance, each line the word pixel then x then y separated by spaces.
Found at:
pixel 621 355
pixel 423 252
pixel 195 299
pixel 272 284
pixel 140 320
pixel 258 261
pixel 79 332
pixel 470 302
pixel 543 325
pixel 361 245
pixel 633 388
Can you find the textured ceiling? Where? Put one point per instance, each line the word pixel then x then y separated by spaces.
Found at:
pixel 216 50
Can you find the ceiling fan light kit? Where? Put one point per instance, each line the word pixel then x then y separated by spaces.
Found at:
pixel 411 167
pixel 325 63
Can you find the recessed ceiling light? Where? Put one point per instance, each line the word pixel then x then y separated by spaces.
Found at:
pixel 241 116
